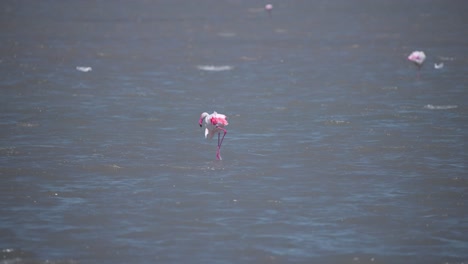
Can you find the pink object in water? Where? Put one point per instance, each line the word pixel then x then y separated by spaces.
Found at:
pixel 417 57
pixel 269 8
pixel 214 123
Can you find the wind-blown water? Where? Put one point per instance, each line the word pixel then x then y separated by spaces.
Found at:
pixel 336 151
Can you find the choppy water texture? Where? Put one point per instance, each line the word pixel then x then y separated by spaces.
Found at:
pixel 336 152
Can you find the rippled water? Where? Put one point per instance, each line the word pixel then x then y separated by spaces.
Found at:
pixel 336 152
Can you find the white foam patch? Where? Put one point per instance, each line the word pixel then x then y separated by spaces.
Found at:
pixel 337 122
pixel 83 69
pixel 440 107
pixel 215 68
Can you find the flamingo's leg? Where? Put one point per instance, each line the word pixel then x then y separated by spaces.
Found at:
pixel 218 150
pixel 220 142
pixel 225 132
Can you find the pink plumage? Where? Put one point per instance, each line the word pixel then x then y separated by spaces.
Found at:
pixel 214 123
pixel 417 57
pixel 219 120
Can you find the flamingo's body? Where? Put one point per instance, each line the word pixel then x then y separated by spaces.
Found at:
pixel 214 123
pixel 418 57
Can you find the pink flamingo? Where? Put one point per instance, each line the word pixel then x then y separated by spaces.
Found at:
pixel 269 8
pixel 418 58
pixel 214 123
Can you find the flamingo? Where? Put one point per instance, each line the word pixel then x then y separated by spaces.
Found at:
pixel 269 8
pixel 418 58
pixel 214 123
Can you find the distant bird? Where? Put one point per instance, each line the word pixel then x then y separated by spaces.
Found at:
pixel 417 57
pixel 269 8
pixel 214 123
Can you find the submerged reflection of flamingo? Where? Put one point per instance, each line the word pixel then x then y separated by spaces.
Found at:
pixel 214 123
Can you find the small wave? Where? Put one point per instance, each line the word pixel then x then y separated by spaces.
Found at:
pixel 440 107
pixel 215 68
pixel 445 58
pixel 337 122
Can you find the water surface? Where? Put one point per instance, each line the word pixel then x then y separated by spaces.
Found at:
pixel 336 152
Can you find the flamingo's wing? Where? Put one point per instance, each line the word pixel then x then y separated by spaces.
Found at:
pixel 219 120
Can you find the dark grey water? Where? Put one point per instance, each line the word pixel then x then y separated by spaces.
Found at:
pixel 336 151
